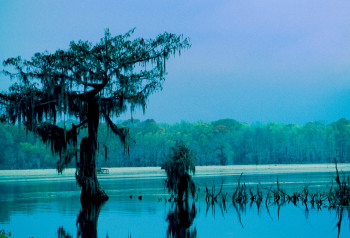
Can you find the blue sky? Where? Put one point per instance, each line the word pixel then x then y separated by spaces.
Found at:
pixel 267 60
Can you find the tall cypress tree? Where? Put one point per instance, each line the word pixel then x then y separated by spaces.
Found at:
pixel 86 82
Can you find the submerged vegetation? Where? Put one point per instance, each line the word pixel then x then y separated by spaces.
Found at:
pixel 241 196
pixel 5 234
pixel 337 196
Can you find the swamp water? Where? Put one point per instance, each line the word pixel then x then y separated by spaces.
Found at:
pixel 40 203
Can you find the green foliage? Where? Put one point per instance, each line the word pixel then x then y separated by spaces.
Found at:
pixel 22 150
pixel 114 75
pixel 178 167
pixel 222 142
pixel 4 234
pixel 231 142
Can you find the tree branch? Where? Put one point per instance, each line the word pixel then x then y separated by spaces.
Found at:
pixel 79 125
pixel 122 132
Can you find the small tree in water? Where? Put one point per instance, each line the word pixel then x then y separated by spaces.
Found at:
pixel 87 82
pixel 178 167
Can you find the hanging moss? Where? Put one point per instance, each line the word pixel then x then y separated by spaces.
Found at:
pixel 60 140
pixel 178 167
pixel 121 131
pixel 108 75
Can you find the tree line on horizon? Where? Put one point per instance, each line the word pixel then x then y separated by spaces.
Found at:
pixel 221 142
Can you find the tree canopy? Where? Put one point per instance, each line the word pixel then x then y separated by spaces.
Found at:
pixel 86 82
pixel 178 167
pixel 222 142
pixel 117 73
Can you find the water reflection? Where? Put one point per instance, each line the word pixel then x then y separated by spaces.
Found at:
pixel 185 220
pixel 180 219
pixel 61 233
pixel 56 203
pixel 241 210
pixel 86 222
pixel 340 212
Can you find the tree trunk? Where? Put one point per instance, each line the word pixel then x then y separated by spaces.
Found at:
pixel 91 191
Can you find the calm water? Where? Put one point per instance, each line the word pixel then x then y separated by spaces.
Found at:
pixel 37 202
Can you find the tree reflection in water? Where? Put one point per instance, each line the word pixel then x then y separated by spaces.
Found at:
pixel 61 233
pixel 181 216
pixel 340 211
pixel 180 219
pixel 86 222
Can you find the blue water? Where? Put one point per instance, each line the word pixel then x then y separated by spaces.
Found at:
pixel 35 203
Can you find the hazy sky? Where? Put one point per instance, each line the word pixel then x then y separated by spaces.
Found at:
pixel 251 60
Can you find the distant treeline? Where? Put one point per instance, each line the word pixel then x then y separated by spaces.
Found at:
pixel 220 142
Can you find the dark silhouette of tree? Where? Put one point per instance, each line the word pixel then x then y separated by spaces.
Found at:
pixel 180 221
pixel 87 220
pixel 87 82
pixel 178 166
pixel 61 233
